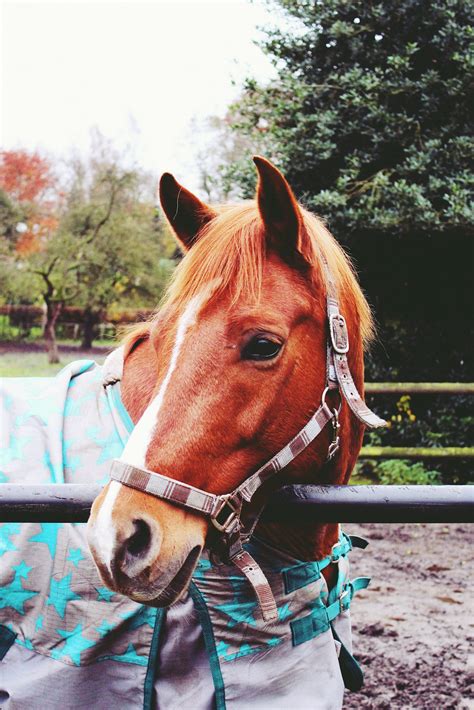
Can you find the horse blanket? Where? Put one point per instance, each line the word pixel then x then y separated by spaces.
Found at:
pixel 66 641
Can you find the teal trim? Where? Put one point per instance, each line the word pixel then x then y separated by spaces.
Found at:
pixel 7 639
pixel 305 573
pixel 119 406
pixel 210 642
pixel 319 621
pixel 152 660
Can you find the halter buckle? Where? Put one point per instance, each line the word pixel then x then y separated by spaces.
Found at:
pixel 338 333
pixel 343 605
pixel 229 514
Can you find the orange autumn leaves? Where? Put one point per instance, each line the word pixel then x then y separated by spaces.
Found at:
pixel 29 182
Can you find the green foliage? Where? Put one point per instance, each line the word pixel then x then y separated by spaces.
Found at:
pixel 399 472
pixel 369 116
pixel 394 472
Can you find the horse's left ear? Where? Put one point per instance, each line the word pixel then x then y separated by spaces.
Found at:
pixel 186 213
pixel 281 214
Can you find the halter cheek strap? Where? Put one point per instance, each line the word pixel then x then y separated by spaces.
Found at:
pixel 232 519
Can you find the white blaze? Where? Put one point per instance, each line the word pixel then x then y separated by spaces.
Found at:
pixel 136 448
pixel 137 445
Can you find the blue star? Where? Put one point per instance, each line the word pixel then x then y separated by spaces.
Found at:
pixel 6 532
pixel 42 407
pixel 39 622
pixel 104 594
pixel 71 462
pixel 105 628
pixel 75 644
pixel 145 615
pixel 60 594
pixel 55 469
pixel 130 656
pixel 284 612
pixel 22 569
pixel 3 477
pixel 75 556
pixel 15 595
pixel 238 612
pixel 14 449
pixel 73 407
pixel 111 445
pixel 48 535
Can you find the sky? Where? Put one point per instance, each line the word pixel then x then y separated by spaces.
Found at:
pixel 143 73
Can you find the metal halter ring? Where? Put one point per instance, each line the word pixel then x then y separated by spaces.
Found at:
pixel 323 400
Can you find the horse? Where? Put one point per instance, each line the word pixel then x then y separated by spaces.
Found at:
pixel 246 379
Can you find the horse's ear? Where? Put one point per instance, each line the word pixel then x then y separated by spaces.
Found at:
pixel 184 211
pixel 281 214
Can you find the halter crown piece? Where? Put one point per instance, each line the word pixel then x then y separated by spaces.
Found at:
pixel 230 515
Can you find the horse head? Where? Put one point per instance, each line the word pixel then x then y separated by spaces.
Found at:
pixel 230 368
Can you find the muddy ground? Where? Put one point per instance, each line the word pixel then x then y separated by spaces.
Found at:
pixel 414 625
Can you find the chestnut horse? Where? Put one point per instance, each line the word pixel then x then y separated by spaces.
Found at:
pixel 232 367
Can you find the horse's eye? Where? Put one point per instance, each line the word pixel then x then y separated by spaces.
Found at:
pixel 261 348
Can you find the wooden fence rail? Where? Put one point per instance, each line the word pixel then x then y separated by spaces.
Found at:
pixel 414 452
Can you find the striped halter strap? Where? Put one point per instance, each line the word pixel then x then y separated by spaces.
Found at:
pixel 232 517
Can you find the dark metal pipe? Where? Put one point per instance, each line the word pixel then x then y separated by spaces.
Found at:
pixel 373 504
pixel 381 504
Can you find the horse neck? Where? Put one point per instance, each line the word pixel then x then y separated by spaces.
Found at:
pixel 308 541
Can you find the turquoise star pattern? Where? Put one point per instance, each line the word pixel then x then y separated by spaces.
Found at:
pixel 60 594
pixel 71 462
pixel 39 622
pixel 22 569
pixel 43 407
pixel 3 477
pixel 7 530
pixel 14 450
pixel 75 644
pixel 284 612
pixel 75 556
pixel 104 594
pixel 48 535
pixel 129 656
pixel 145 615
pixel 111 445
pixel 55 468
pixel 73 407
pixel 14 594
pixel 238 612
pixel 245 650
pixel 105 628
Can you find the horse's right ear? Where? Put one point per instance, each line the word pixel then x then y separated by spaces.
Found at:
pixel 186 214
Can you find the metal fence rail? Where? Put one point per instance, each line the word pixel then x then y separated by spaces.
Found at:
pixel 387 504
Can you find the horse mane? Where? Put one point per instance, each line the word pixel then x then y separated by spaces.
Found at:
pixel 231 252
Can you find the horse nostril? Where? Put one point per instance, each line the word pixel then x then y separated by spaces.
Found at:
pixel 137 553
pixel 139 542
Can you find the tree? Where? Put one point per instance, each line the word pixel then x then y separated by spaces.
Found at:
pixel 107 249
pixel 28 193
pixel 369 117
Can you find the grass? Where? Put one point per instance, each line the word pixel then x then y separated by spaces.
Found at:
pixel 18 364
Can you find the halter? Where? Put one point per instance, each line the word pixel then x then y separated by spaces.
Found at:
pixel 233 521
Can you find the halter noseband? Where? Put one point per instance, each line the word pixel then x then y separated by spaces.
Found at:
pixel 232 520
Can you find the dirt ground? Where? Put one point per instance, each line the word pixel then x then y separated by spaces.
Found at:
pixel 414 625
